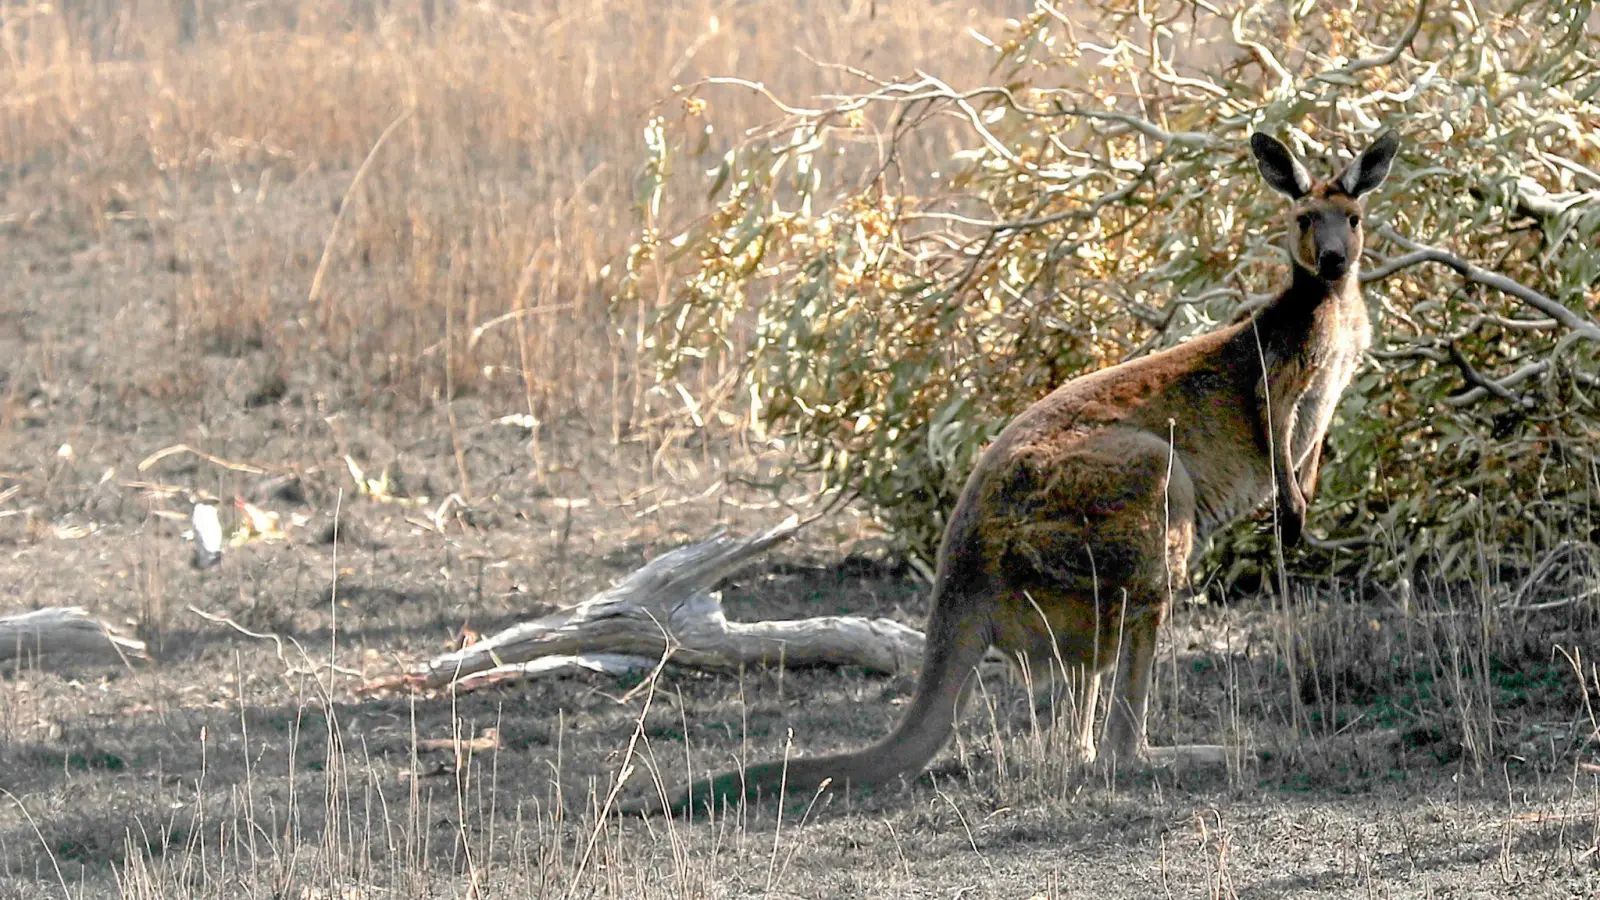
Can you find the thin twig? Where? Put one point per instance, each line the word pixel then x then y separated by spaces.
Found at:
pixel 623 772
pixel 1147 128
pixel 277 641
pixel 764 91
pixel 1262 54
pixel 1541 573
pixel 159 455
pixel 60 879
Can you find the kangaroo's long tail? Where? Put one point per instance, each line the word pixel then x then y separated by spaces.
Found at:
pixel 956 641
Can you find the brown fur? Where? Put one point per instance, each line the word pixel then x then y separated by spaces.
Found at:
pixel 1076 529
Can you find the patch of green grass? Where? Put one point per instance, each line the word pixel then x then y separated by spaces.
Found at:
pixel 96 759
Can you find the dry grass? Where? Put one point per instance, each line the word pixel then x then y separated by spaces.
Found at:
pixel 294 230
pixel 419 200
pixel 313 800
pixel 1429 749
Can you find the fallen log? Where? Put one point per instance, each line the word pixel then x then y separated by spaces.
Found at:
pixel 667 611
pixel 62 633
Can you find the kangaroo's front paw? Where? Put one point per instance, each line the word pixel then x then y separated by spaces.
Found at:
pixel 1291 519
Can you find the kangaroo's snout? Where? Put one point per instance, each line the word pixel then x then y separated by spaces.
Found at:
pixel 1331 264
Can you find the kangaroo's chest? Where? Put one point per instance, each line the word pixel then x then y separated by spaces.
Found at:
pixel 1329 377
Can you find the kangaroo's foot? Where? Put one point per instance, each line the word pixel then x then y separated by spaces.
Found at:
pixel 1146 758
pixel 1204 755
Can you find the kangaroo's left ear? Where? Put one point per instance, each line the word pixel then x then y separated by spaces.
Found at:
pixel 1368 170
pixel 1278 166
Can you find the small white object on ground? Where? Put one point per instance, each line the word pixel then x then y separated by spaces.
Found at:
pixel 207 536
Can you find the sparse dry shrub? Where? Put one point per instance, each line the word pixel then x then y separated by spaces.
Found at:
pixel 1101 203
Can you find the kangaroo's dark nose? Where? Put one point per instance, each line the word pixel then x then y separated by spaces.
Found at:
pixel 1331 264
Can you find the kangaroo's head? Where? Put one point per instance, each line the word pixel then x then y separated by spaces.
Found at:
pixel 1325 220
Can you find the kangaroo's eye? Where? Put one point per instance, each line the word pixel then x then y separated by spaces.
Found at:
pixel 1304 221
pixel 1355 221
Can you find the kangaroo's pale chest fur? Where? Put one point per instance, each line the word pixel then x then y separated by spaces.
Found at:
pixel 1314 411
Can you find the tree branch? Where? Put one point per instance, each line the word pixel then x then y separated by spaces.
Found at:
pixel 1485 386
pixel 1535 202
pixel 1421 253
pixel 1262 54
pixel 1373 62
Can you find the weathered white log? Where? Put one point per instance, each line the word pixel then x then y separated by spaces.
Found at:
pixel 62 632
pixel 667 607
pixel 614 664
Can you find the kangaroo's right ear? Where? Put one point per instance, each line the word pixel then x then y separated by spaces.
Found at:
pixel 1369 169
pixel 1279 167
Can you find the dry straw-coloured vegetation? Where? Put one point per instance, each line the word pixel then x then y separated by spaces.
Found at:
pixel 856 238
pixel 418 199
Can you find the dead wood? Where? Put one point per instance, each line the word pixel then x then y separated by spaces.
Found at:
pixel 62 633
pixel 667 610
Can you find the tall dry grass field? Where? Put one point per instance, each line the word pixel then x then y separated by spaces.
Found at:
pixel 408 199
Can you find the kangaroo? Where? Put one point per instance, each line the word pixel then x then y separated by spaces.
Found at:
pixel 1076 528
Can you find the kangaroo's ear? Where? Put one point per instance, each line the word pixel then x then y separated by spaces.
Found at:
pixel 1368 170
pixel 1279 167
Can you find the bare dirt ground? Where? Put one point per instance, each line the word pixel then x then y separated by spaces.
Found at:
pixel 238 766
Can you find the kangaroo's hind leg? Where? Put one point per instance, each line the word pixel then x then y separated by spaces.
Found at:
pixel 1064 688
pixel 1154 541
pixel 1127 736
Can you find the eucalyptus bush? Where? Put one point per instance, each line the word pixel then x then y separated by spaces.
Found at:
pixel 891 275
